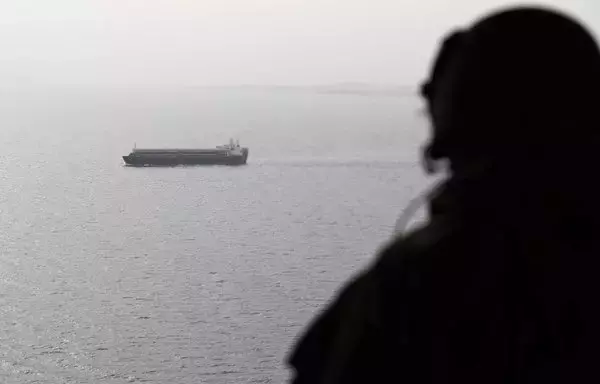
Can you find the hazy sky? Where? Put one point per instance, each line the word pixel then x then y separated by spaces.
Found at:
pixel 222 42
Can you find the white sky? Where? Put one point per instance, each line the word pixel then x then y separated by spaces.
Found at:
pixel 227 42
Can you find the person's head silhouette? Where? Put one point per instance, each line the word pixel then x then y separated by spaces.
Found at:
pixel 518 88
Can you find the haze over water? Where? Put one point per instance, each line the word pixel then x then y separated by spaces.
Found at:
pixel 112 274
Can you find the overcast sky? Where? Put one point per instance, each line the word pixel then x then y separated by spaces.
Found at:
pixel 228 42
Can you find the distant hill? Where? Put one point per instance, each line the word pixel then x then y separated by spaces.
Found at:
pixel 366 89
pixel 343 88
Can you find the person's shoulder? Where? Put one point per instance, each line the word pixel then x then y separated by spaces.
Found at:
pixel 420 246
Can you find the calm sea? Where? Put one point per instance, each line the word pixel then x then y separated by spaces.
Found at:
pixel 112 274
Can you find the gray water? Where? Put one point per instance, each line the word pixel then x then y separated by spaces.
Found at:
pixel 112 274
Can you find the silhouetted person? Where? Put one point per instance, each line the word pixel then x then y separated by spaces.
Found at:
pixel 501 285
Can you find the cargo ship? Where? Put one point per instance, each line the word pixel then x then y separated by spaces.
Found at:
pixel 229 154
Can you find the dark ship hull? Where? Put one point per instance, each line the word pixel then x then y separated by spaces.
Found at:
pixel 231 154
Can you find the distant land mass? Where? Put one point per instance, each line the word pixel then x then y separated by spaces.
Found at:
pixel 350 88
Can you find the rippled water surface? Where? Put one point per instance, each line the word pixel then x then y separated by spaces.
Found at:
pixel 111 274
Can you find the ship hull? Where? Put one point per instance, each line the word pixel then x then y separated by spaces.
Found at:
pixel 175 160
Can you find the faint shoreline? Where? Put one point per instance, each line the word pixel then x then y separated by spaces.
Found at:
pixel 358 89
pixel 337 88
